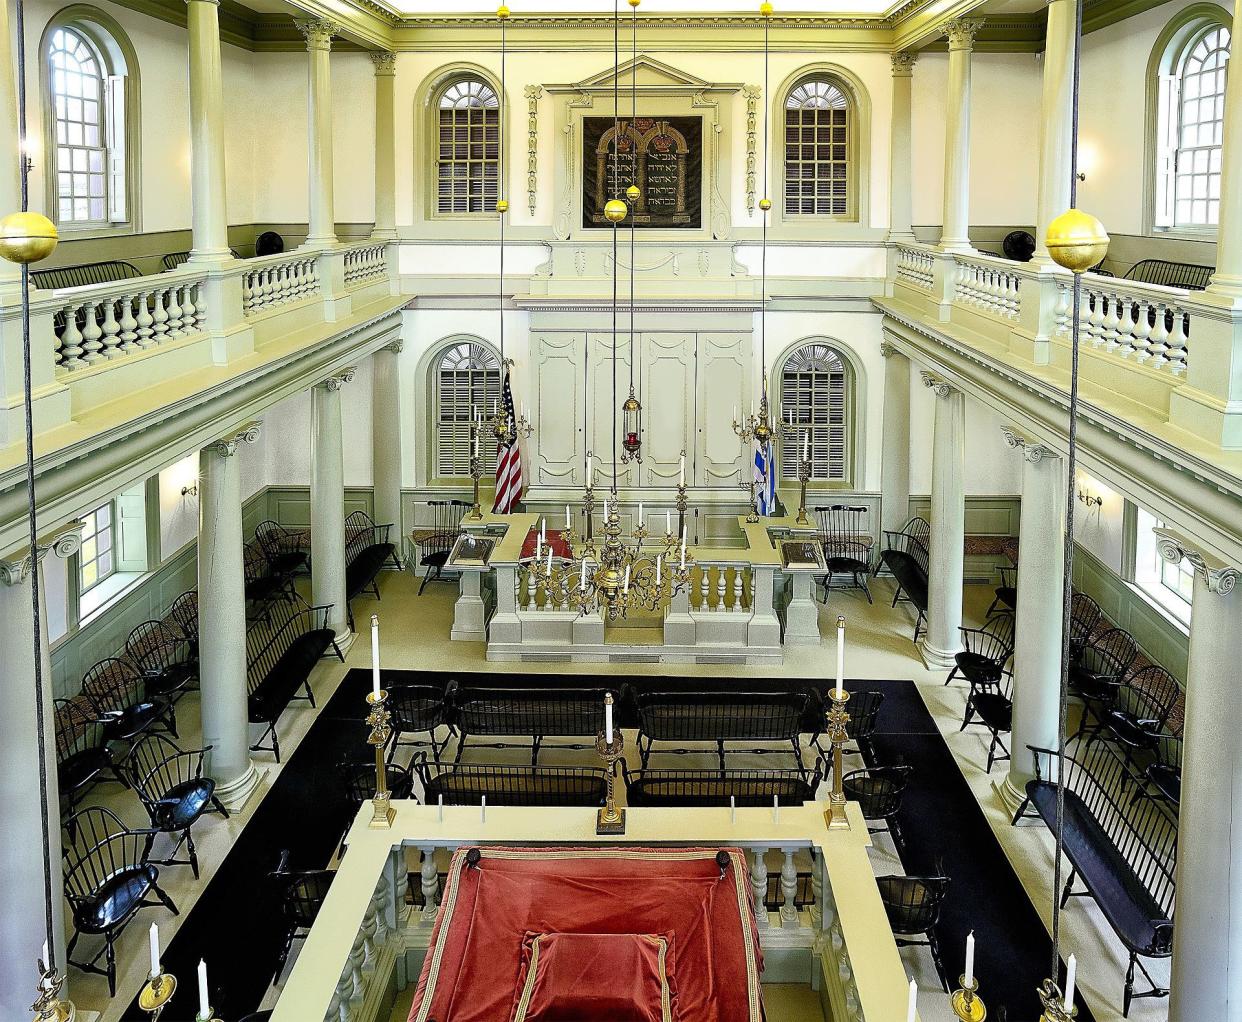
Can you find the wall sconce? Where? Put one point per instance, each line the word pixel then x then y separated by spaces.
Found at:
pixel 191 490
pixel 1081 175
pixel 1090 499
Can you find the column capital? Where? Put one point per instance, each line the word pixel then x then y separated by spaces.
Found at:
pixel 15 569
pixel 1032 452
pixel 338 379
pixel 318 32
pixel 1219 576
pixel 385 63
pixel 903 63
pixel 888 350
pixel 396 347
pixel 227 446
pixel 213 2
pixel 961 33
pixel 939 387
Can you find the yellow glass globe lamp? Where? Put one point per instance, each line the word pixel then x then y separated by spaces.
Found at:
pixel 502 12
pixel 502 205
pixel 27 237
pixel 765 9
pixel 615 211
pixel 632 193
pixel 765 204
pixel 1077 241
pixel 635 3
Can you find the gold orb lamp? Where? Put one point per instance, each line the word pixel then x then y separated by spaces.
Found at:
pixel 632 193
pixel 615 210
pixel 27 237
pixel 1077 241
pixel 765 204
pixel 635 3
pixel 765 9
pixel 502 12
pixel 502 206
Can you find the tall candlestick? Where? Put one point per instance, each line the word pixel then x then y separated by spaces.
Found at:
pixel 912 1005
pixel 204 1002
pixel 1071 974
pixel 608 718
pixel 375 659
pixel 155 950
pixel 840 656
pixel 538 549
pixel 683 551
pixel 970 958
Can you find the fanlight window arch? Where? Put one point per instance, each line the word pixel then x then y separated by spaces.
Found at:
pixel 1191 127
pixel 467 147
pixel 466 385
pixel 816 392
pixel 87 92
pixel 818 158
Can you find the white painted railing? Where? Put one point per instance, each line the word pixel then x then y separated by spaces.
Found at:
pixel 112 320
pixel 365 264
pixel 915 266
pixel 988 285
pixel 278 280
pixel 723 587
pixel 1146 323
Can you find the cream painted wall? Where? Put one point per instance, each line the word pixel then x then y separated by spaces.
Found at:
pixel 1004 137
pixel 179 513
pixel 1100 529
pixel 991 466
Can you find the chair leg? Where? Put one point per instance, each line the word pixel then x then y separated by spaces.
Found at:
pixel 111 954
pixel 720 753
pixel 992 750
pixel 1129 992
pixel 349 614
pixel 310 696
pixel 934 944
pixel 168 903
pixel 1069 887
pixel 969 713
pixel 1021 812
pixel 275 743
pixel 192 851
pixel 219 807
pixel 426 579
pixel 952 675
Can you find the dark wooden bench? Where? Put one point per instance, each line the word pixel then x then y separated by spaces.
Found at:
pixel 263 583
pixel 721 717
pixel 467 784
pixel 719 787
pixel 1122 848
pixel 534 713
pixel 906 557
pixel 84 274
pixel 1168 273
pixel 175 259
pixel 367 550
pixel 282 648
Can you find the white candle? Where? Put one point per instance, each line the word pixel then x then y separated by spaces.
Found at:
pixel 543 530
pixel 568 525
pixel 155 950
pixel 538 547
pixel 806 449
pixel 840 656
pixel 375 663
pixel 582 585
pixel 681 474
pixel 640 514
pixel 549 561
pixel 735 413
pixel 913 1003
pixel 668 523
pixel 626 585
pixel 46 956
pixel 683 553
pixel 1071 974
pixel 970 958
pixel 204 1003
pixel 658 558
pixel 608 718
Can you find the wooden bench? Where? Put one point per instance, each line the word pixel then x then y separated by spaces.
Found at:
pixel 534 713
pixel 1168 273
pixel 462 784
pixel 84 274
pixel 719 787
pixel 367 550
pixel 1123 850
pixel 720 717
pixel 282 648
pixel 906 558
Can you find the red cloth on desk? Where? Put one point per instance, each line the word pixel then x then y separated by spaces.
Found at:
pixel 554 539
pixel 474 967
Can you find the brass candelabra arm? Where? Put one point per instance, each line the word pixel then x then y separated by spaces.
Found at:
pixel 48 1005
pixel 156 993
pixel 476 473
pixel 966 1003
pixel 1053 1000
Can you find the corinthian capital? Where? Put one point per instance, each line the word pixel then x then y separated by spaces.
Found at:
pixel 318 32
pixel 903 63
pixel 385 62
pixel 1219 576
pixel 961 33
pixel 227 446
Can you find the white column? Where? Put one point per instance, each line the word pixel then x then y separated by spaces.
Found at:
pixel 22 923
pixel 207 187
pixel 1227 280
pixel 955 232
pixel 900 150
pixel 386 438
pixel 328 505
pixel 10 186
pixel 1056 120
pixel 1037 654
pixel 319 33
pixel 222 617
pixel 385 159
pixel 948 526
pixel 895 443
pixel 1207 940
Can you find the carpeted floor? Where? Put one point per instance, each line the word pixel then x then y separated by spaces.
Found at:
pixel 306 812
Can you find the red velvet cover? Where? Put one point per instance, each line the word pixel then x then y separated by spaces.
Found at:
pixel 474 967
pixel 554 539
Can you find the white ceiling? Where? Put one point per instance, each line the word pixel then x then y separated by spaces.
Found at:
pixel 603 7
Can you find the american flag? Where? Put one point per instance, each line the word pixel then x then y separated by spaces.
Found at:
pixel 765 479
pixel 508 460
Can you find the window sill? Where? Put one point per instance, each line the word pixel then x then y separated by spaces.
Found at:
pixel 1207 235
pixel 1169 607
pixel 96 600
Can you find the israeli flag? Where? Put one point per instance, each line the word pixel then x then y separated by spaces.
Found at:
pixel 765 479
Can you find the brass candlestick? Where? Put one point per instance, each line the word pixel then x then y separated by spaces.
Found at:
pixel 1054 1004
pixel 790 431
pixel 48 1006
pixel 838 719
pixel 476 473
pixel 966 1003
pixel 610 819
pixel 804 475
pixel 753 516
pixel 379 720
pixel 682 503
pixel 156 993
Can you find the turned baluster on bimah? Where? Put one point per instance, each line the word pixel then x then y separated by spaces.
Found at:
pixel 1176 353
pixel 721 572
pixel 789 891
pixel 704 588
pixel 759 885
pixel 737 587
pixel 430 882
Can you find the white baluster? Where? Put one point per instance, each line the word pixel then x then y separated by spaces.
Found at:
pixel 111 330
pixel 71 340
pixel 721 583
pixel 1143 314
pixel 789 891
pixel 737 587
pixel 430 883
pixel 759 886
pixel 1062 311
pixel 144 321
pixel 159 316
pixel 128 325
pixel 247 281
pixel 91 334
pixel 200 307
pixel 176 318
pixel 1111 322
pixel 1177 343
pixel 704 588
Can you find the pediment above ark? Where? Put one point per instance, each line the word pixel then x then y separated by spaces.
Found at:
pixel 650 75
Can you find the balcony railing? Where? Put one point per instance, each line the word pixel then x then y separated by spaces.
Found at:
pixel 276 280
pixel 1147 323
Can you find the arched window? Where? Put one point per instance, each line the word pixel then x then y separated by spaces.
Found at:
pixel 88 118
pixel 816 392
pixel 467 147
pixel 818 150
pixel 1191 125
pixel 466 386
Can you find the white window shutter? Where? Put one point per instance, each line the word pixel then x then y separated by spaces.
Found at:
pixel 1168 118
pixel 116 127
pixel 131 529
